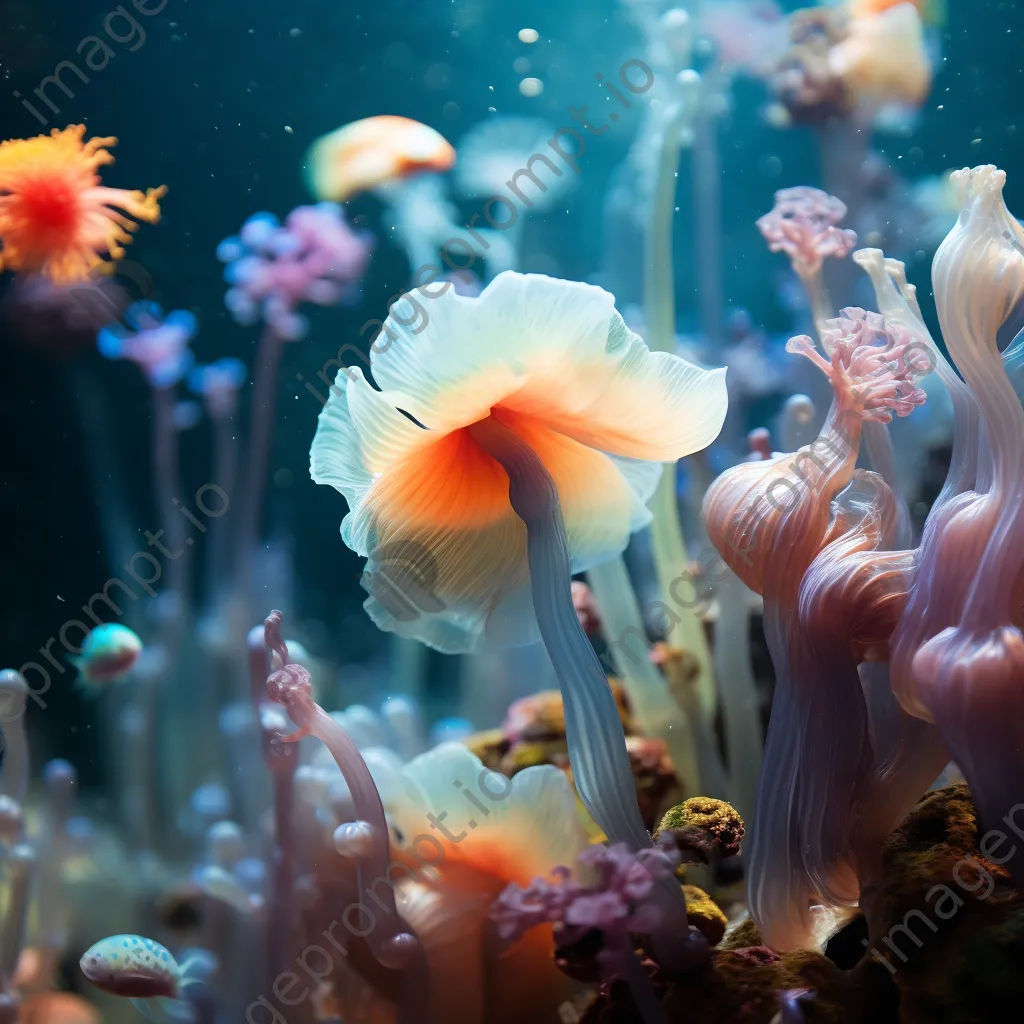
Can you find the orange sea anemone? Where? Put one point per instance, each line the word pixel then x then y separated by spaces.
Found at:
pixel 56 219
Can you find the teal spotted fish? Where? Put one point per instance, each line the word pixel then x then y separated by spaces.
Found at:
pixel 141 970
pixel 109 652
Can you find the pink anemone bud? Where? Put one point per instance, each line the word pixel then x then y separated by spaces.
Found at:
pixel 875 364
pixel 802 224
pixel 291 681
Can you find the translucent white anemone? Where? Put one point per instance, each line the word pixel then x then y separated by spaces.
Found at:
pixel 459 834
pixel 551 361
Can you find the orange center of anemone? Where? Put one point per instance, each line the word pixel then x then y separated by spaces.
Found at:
pixel 49 207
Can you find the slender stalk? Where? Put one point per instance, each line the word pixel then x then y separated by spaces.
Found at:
pixel 262 417
pixel 741 708
pixel 596 741
pixel 13 696
pixel 166 486
pixel 225 471
pixel 173 744
pixel 657 713
pixel 391 940
pixel 670 555
pixel 819 299
pixel 707 196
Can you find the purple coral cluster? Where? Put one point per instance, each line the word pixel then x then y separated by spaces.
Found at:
pixel 158 344
pixel 802 224
pixel 617 902
pixel 273 268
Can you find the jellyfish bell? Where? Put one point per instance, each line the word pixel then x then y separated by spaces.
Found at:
pixel 372 152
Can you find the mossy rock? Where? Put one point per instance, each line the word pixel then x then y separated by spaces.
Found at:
pixel 946 921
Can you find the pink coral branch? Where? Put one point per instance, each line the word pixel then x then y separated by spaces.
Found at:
pixel 802 224
pixel 392 941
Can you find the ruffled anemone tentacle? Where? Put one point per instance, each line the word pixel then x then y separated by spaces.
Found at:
pixel 897 303
pixel 959 655
pixel 393 943
pixel 597 748
pixel 769 520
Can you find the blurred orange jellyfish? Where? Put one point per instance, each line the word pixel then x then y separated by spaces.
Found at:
pixel 56 218
pixel 884 58
pixel 372 152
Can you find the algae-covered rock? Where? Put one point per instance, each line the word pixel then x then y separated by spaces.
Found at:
pixel 738 986
pixel 945 919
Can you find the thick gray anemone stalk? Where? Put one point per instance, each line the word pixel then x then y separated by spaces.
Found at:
pixel 516 439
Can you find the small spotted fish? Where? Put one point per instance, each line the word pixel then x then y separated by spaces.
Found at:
pixel 140 970
pixel 108 654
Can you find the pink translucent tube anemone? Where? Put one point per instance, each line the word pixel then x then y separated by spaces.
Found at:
pixel 771 520
pixel 958 651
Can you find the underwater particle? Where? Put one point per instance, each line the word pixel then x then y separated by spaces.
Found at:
pixel 108 654
pixel 528 35
pixel 521 65
pixel 288 128
pixel 295 32
pixel 284 478
pixel 371 152
pixel 56 218
pixel 157 344
pixel 531 87
pixel 451 110
pixel 710 828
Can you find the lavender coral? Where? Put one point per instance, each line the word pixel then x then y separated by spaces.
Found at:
pixel 596 920
pixel 313 257
pixel 157 344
